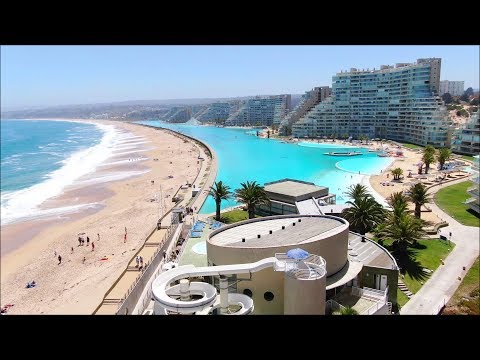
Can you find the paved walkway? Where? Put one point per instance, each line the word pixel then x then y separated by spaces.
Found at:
pixel 438 290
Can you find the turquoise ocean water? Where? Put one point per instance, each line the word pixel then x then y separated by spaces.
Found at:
pixel 244 157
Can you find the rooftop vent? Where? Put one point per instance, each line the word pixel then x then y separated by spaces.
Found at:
pixel 293 224
pixel 258 236
pixel 299 220
pixel 243 239
pixel 283 227
pixel 270 231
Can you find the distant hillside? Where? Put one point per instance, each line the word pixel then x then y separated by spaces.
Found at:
pixel 128 110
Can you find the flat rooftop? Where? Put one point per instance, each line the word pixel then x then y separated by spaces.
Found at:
pixel 369 253
pixel 294 188
pixel 310 228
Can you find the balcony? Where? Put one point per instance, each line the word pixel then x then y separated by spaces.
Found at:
pixel 365 301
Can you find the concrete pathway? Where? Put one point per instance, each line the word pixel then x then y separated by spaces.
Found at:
pixel 438 290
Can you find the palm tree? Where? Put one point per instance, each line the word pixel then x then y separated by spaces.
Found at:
pixel 443 156
pixel 346 311
pixel 428 157
pixel 364 214
pixel 397 172
pixel 251 194
pixel 405 232
pixel 356 191
pixel 418 195
pixel 219 192
pixel 398 202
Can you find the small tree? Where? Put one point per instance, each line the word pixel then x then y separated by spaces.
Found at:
pixel 428 157
pixel 469 92
pixel 397 172
pixel 443 156
pixel 418 195
pixel 219 192
pixel 356 191
pixel 252 195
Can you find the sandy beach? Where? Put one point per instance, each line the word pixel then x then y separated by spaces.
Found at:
pixel 30 248
pixel 408 164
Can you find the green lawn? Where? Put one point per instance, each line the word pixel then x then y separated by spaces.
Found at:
pixel 427 256
pixel 401 298
pixel 233 216
pixel 466 299
pixel 412 146
pixel 450 199
pixel 467 157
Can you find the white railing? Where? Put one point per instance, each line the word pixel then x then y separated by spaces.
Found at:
pixel 374 308
pixel 332 305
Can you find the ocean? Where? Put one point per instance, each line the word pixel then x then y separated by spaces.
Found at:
pixel 40 158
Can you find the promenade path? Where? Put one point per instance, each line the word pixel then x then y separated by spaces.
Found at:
pixel 440 287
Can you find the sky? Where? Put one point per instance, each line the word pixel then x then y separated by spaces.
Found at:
pixel 61 75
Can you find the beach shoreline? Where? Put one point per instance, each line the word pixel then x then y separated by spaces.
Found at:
pixel 74 287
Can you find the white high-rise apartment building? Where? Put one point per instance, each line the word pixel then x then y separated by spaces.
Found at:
pixel 454 88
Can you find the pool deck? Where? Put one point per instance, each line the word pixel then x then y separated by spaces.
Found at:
pixel 189 256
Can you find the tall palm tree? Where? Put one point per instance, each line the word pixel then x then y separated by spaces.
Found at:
pixel 405 232
pixel 443 156
pixel 364 214
pixel 219 192
pixel 428 157
pixel 397 172
pixel 398 202
pixel 356 191
pixel 418 195
pixel 251 194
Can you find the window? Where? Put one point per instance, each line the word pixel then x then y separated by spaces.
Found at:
pixel 268 296
pixel 248 292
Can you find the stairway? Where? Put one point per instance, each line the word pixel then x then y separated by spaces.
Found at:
pixel 404 288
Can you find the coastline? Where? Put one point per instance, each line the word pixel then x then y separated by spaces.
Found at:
pixel 74 287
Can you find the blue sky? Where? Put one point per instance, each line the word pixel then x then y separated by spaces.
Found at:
pixel 59 75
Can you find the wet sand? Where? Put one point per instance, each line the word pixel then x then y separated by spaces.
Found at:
pixel 74 287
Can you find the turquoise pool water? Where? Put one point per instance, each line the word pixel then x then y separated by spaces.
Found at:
pixel 200 248
pixel 244 157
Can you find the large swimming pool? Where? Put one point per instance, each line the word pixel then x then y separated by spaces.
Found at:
pixel 244 157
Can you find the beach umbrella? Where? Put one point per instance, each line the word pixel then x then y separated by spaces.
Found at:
pixel 297 254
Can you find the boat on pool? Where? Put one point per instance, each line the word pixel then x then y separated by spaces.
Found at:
pixel 343 153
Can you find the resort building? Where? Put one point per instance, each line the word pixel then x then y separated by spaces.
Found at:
pixel 218 111
pixel 178 114
pixel 473 203
pixel 398 103
pixel 261 111
pixel 286 264
pixel 468 139
pixel 288 196
pixel 454 88
pixel 308 101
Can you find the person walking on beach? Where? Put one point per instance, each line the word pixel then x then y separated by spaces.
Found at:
pixel 141 262
pixel 59 259
pixel 137 261
pixel 88 241
pixel 84 259
pixel 98 235
pixel 71 250
pixel 164 254
pixel 125 238
pixel 93 246
pixel 79 241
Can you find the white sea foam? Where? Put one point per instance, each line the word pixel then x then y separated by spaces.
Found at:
pixel 24 203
